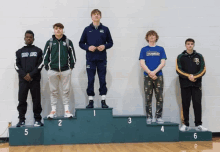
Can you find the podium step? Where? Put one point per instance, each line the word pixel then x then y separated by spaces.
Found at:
pixel 194 135
pixel 28 135
pixel 168 131
pixel 82 113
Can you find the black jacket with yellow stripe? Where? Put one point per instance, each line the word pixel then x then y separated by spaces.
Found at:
pixel 60 57
pixel 187 64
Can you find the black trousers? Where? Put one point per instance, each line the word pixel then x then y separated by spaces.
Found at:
pixel 157 86
pixel 91 67
pixel 34 87
pixel 194 93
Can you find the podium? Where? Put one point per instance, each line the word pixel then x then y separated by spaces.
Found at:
pixel 98 125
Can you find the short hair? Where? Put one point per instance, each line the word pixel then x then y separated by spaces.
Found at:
pixel 190 40
pixel 29 32
pixel 152 32
pixel 96 11
pixel 60 25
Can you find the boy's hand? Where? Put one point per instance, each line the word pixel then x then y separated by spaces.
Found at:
pixel 101 47
pixel 154 77
pixel 92 48
pixel 27 77
pixel 191 78
pixel 152 74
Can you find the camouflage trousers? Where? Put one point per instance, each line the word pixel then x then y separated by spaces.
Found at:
pixel 157 86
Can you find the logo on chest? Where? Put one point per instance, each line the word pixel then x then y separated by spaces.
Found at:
pixel 64 43
pixel 196 60
pixel 26 54
pixel 152 53
pixel 101 31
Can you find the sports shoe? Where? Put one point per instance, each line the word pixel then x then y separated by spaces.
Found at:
pixel 90 105
pixel 21 123
pixel 67 114
pixel 38 124
pixel 52 115
pixel 159 121
pixel 184 128
pixel 201 128
pixel 149 120
pixel 104 105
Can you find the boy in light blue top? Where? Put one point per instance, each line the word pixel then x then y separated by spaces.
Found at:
pixel 152 59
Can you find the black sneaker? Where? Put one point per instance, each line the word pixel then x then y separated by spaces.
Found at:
pixel 90 105
pixel 21 123
pixel 104 105
pixel 38 124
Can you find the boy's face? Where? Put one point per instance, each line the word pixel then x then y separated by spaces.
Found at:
pixel 29 39
pixel 58 31
pixel 151 38
pixel 96 17
pixel 189 45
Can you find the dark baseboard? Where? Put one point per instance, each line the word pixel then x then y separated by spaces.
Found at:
pixel 4 140
pixel 216 134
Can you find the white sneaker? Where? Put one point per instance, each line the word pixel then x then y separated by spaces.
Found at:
pixel 52 115
pixel 67 114
pixel 159 121
pixel 201 128
pixel 184 128
pixel 148 120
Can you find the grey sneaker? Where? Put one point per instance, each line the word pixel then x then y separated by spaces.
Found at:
pixel 184 128
pixel 38 124
pixel 159 121
pixel 149 120
pixel 201 128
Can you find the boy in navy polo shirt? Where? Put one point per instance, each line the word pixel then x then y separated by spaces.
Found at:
pixel 96 38
pixel 152 60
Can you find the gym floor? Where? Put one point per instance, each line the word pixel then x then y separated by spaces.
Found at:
pixel 199 146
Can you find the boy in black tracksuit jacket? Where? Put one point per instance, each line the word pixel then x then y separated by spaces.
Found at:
pixel 96 38
pixel 29 63
pixel 190 67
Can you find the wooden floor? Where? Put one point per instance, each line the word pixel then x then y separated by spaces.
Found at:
pixel 201 146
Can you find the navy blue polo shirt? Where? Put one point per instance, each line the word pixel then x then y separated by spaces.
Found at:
pixel 152 57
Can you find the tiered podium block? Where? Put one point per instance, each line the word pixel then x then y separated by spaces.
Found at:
pixel 99 126
pixel 193 135
pixel 27 135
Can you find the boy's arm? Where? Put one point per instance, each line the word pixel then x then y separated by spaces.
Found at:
pixel 46 58
pixel 39 65
pixel 144 66
pixel 72 55
pixel 109 40
pixel 17 65
pixel 83 40
pixel 202 69
pixel 179 69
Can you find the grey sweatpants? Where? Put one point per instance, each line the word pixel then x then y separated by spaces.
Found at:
pixel 54 78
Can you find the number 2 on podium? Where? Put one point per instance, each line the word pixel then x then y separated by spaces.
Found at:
pixel 60 123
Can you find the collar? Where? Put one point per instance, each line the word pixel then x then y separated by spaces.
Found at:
pixel 153 46
pixel 187 54
pixel 28 46
pixel 99 27
pixel 63 38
